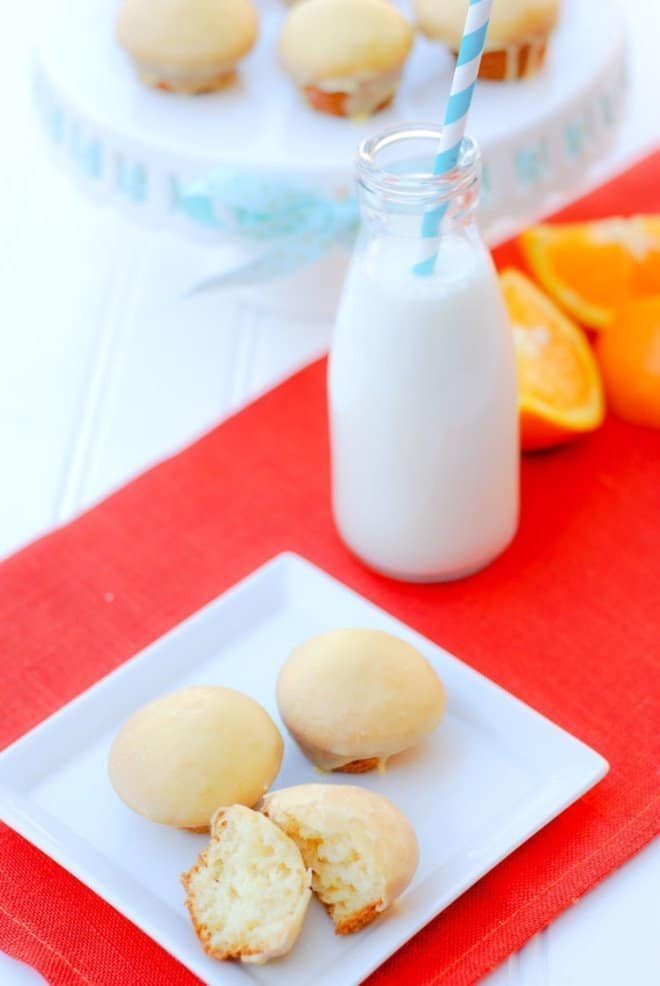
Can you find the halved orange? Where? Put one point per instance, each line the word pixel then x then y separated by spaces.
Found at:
pixel 593 269
pixel 559 391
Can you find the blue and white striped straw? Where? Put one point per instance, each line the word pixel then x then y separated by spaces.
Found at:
pixel 453 129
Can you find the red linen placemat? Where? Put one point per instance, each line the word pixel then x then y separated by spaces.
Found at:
pixel 567 619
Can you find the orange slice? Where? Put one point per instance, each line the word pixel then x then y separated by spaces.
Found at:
pixel 593 269
pixel 559 390
pixel 629 358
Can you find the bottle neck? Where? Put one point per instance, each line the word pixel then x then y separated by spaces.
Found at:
pixel 380 213
pixel 397 185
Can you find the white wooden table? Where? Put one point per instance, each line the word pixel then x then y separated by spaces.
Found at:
pixel 104 369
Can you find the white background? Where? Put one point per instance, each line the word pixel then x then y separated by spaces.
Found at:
pixel 104 368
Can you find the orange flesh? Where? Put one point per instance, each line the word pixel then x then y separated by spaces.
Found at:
pixel 646 275
pixel 549 368
pixel 602 274
pixel 558 381
pixel 593 269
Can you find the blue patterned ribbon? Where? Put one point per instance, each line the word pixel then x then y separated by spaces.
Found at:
pixel 296 224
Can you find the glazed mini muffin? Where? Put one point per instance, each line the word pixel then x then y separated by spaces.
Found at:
pixel 346 55
pixel 352 698
pixel 361 849
pixel 181 757
pixel 187 46
pixel 238 909
pixel 517 37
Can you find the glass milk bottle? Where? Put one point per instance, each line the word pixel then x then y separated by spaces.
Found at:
pixel 422 383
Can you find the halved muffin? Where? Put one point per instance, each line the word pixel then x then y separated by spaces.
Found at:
pixel 247 895
pixel 361 849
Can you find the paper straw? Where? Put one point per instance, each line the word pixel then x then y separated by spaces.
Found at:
pixel 453 128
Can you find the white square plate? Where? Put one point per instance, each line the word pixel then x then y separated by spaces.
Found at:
pixel 490 776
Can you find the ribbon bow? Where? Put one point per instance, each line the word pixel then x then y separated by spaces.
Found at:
pixel 296 224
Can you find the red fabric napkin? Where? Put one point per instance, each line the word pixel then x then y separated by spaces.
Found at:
pixel 567 619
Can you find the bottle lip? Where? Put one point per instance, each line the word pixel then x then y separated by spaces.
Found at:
pixel 375 176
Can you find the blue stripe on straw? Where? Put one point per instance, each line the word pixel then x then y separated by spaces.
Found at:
pixel 425 267
pixel 458 105
pixel 431 220
pixel 446 160
pixel 472 45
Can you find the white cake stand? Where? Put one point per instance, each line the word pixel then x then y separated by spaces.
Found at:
pixel 138 148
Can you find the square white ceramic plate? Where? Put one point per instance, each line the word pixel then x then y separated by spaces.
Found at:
pixel 492 774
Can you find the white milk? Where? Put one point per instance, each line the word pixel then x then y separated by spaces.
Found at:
pixel 423 412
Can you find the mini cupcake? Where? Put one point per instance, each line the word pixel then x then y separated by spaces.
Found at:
pixel 352 698
pixel 346 55
pixel 187 46
pixel 517 37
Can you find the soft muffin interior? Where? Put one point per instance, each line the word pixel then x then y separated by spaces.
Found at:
pixel 346 874
pixel 248 886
